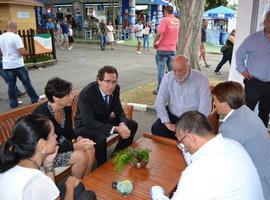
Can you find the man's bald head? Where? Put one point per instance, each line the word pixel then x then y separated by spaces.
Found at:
pixel 180 67
pixel 12 26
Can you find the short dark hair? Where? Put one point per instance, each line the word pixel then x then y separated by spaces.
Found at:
pixel 57 87
pixel 169 9
pixel 26 133
pixel 106 69
pixel 230 92
pixel 194 121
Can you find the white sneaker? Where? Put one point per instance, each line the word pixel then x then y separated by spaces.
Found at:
pixel 138 52
pixel 69 48
pixel 20 102
pixel 62 47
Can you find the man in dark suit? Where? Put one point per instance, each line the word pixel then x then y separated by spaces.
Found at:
pixel 94 119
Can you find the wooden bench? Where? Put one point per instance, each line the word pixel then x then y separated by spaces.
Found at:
pixel 8 119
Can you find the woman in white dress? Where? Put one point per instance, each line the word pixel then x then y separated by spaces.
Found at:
pixel 110 35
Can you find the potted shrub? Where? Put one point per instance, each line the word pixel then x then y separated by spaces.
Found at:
pixel 138 158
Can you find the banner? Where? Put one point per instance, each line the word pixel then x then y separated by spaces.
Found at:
pixel 43 43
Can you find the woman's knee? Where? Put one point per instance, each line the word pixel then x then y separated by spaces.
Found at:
pixel 78 157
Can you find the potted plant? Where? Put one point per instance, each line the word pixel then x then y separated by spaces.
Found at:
pixel 138 158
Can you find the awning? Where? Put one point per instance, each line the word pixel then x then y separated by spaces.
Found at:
pixel 220 12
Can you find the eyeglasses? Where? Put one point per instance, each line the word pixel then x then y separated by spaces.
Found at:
pixel 180 145
pixel 110 82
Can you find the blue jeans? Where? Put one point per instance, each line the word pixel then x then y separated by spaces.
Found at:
pixel 102 39
pixel 4 76
pixel 146 41
pixel 22 74
pixel 163 58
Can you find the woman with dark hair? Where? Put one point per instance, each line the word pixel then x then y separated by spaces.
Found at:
pixel 31 146
pixel 227 51
pixel 75 151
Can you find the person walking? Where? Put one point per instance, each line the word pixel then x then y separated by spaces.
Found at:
pixel 102 35
pixel 146 36
pixel 227 52
pixel 110 35
pixel 64 27
pixel 138 34
pixel 13 51
pixel 203 41
pixel 165 42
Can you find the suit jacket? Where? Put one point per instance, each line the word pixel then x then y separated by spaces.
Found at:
pixel 244 126
pixel 93 114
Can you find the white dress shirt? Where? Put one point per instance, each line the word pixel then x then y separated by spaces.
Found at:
pixel 222 170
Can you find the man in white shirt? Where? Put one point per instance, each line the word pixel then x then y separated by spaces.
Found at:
pixel 220 168
pixel 138 34
pixel 12 48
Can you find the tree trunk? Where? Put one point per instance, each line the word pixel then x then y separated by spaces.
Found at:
pixel 190 31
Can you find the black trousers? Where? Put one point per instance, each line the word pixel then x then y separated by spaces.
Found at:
pixel 100 140
pixel 258 91
pixel 225 58
pixel 158 128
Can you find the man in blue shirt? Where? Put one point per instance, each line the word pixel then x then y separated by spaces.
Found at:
pixel 50 25
pixel 253 62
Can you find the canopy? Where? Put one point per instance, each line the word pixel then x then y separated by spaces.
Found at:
pixel 220 12
pixel 162 2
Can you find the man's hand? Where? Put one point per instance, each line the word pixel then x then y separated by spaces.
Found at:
pixel 83 144
pixel 123 131
pixel 170 126
pixel 246 75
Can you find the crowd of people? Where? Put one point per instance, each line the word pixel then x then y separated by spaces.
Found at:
pixel 233 164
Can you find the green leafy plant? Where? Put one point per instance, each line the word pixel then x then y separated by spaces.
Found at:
pixel 130 156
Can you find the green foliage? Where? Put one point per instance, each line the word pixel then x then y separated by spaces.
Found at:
pixel 128 156
pixel 215 3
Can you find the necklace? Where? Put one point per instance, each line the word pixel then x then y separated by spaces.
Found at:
pixel 35 164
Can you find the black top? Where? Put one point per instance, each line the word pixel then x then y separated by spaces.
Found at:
pixel 229 49
pixel 93 114
pixel 67 131
pixel 203 37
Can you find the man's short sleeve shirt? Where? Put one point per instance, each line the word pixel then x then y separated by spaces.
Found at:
pixel 9 44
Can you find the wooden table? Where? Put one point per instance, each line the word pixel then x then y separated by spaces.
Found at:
pixel 164 169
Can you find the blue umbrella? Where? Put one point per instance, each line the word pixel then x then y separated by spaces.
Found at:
pixel 220 12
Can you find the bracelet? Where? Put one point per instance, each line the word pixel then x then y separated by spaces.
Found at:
pixel 48 169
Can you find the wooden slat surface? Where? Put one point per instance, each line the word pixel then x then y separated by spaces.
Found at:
pixel 164 169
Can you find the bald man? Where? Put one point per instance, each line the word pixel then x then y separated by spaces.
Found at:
pixel 181 90
pixel 13 50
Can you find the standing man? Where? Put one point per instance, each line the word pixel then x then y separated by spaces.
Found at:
pixel 102 35
pixel 13 51
pixel 50 25
pixel 203 41
pixel 181 90
pixel 64 27
pixel 100 114
pixel 253 62
pixel 165 42
pixel 220 167
pixel 138 34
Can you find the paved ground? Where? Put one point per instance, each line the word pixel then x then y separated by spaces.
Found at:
pixel 80 66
